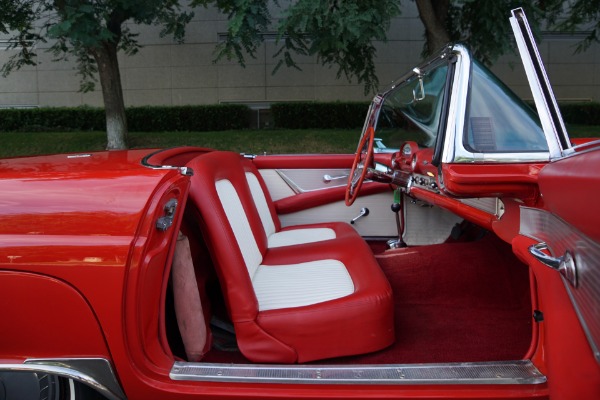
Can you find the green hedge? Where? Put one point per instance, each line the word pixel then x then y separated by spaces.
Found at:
pixel 297 115
pixel 52 119
pixel 139 119
pixel 339 115
pixel 318 115
pixel 581 113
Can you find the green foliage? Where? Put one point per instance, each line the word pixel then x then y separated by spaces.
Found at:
pixel 484 24
pixel 146 119
pixel 77 27
pixel 248 21
pixel 47 119
pixel 319 115
pixel 583 14
pixel 336 32
pixel 188 118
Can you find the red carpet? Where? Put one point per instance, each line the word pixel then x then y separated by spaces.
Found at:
pixel 455 302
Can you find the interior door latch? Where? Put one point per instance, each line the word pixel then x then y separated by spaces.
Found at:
pixel 165 222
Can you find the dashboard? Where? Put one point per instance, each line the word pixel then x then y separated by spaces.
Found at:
pixel 411 169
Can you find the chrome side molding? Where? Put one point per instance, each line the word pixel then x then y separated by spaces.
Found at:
pixel 94 372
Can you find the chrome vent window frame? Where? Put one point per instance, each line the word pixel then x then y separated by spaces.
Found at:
pixel 454 150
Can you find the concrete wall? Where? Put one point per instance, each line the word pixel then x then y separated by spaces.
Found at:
pixel 164 73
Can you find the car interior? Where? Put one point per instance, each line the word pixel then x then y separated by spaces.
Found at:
pixel 294 265
pixel 320 293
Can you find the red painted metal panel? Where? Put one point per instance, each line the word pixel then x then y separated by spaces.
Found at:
pixel 43 317
pixel 571 189
pixel 489 180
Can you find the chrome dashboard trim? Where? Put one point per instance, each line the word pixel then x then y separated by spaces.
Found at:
pixel 94 372
pixel 521 372
pixel 560 238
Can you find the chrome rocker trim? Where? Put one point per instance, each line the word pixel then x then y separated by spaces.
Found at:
pixel 521 372
pixel 94 372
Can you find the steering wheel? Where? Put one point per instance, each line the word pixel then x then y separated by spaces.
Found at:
pixel 362 159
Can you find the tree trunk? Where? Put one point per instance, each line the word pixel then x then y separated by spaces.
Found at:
pixel 433 14
pixel 112 91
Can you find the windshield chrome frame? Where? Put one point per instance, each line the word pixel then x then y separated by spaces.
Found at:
pixel 453 149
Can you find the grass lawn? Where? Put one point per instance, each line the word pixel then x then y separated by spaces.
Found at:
pixel 248 141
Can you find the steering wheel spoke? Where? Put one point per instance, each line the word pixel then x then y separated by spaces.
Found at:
pixel 362 159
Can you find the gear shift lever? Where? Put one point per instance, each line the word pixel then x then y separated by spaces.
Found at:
pixel 398 209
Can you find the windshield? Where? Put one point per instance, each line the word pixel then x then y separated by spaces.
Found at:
pixel 411 110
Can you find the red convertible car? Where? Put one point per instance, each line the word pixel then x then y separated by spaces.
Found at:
pixel 466 265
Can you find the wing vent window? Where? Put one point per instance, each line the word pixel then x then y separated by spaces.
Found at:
pixel 498 120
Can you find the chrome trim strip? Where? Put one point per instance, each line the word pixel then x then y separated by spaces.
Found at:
pixel 182 170
pixel 453 148
pixel 560 238
pixel 303 180
pixel 94 372
pixel 492 205
pixel 543 96
pixel 521 372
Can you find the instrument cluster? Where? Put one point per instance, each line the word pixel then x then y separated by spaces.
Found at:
pixel 414 164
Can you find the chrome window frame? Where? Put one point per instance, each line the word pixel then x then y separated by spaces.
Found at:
pixel 454 150
pixel 550 117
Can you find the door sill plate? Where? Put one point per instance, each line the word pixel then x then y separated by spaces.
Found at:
pixel 521 372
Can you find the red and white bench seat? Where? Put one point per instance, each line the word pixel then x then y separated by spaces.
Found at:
pixel 294 295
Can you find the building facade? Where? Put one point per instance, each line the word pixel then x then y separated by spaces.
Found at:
pixel 166 73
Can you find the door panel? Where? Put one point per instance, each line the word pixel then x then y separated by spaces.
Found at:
pixel 311 189
pixel 567 271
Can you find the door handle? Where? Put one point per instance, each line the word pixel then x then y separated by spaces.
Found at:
pixel 329 178
pixel 565 265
